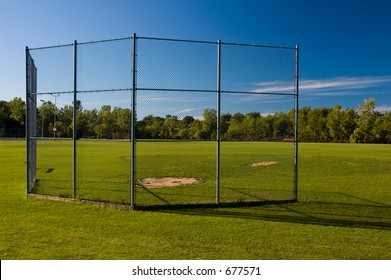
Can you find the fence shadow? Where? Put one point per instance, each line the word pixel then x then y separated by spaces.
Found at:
pixel 366 214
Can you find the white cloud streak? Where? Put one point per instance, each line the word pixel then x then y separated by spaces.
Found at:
pixel 184 111
pixel 383 108
pixel 338 86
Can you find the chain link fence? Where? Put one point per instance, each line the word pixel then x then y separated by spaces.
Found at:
pixel 152 122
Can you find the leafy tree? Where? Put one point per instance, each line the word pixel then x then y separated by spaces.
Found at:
pixel 334 123
pixel 348 124
pixel 154 129
pixel 282 126
pixel 304 130
pixel 382 129
pixel 46 118
pixel 209 124
pixel 196 131
pixel 224 124
pixel 264 127
pixel 4 118
pixel 170 127
pixel 317 125
pixel 320 124
pixel 365 122
pixel 17 110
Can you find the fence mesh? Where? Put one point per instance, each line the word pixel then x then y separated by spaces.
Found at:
pixel 213 122
pixel 257 147
pixel 31 147
pixel 103 129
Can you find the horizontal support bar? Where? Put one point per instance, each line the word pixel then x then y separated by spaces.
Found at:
pixel 166 90
pixel 177 90
pixel 256 92
pixel 83 91
pixel 165 39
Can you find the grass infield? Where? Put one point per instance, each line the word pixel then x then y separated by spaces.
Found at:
pixel 344 209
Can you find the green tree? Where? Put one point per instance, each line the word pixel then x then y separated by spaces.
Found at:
pixel 184 127
pixel 170 127
pixel 153 129
pixel 224 125
pixel 17 110
pixel 317 125
pixel 382 128
pixel 209 124
pixel 365 122
pixel 106 123
pixel 4 118
pixel 46 118
pixel 264 127
pixel 304 129
pixel 282 126
pixel 348 123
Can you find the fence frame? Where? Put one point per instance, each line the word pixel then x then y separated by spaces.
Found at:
pixel 31 95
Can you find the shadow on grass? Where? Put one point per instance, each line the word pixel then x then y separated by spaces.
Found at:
pixel 317 208
pixel 371 215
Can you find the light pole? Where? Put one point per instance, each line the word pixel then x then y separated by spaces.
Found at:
pixel 43 103
pixel 55 95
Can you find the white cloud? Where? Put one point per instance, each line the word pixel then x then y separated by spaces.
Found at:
pixel 383 108
pixel 187 110
pixel 337 86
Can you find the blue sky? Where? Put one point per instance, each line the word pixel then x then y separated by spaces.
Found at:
pixel 345 53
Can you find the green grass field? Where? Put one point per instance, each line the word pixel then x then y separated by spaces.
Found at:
pixel 344 209
pixel 103 171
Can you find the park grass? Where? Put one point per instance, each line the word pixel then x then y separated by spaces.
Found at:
pixel 344 212
pixel 103 171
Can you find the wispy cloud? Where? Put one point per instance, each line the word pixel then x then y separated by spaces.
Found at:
pixel 337 86
pixel 383 108
pixel 184 111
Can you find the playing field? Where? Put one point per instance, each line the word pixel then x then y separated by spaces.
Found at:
pixel 249 171
pixel 344 209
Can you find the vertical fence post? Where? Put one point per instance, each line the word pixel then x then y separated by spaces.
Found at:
pixel 74 116
pixel 218 132
pixel 295 180
pixel 133 132
pixel 27 124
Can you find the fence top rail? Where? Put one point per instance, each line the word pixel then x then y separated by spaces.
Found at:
pixel 176 40
pixel 49 47
pixel 80 43
pixel 215 43
pixel 162 39
pixel 259 46
pixel 164 90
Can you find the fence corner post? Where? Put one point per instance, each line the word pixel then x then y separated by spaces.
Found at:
pixel 218 132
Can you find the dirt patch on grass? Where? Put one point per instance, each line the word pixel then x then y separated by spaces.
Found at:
pixel 263 163
pixel 166 182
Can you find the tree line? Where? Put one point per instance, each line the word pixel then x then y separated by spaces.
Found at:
pixel 361 125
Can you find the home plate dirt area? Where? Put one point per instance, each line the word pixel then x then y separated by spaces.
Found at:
pixel 166 182
pixel 263 163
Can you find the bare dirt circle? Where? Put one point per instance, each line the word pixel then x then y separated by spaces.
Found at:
pixel 263 163
pixel 166 182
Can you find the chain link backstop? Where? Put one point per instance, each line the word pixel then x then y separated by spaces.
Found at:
pixel 151 122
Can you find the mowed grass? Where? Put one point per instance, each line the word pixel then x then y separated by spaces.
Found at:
pixel 103 171
pixel 344 209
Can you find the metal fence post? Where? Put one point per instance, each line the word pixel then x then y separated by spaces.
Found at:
pixel 27 125
pixel 218 122
pixel 295 180
pixel 133 133
pixel 74 116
